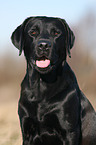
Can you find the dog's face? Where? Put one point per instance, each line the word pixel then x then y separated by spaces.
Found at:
pixel 45 41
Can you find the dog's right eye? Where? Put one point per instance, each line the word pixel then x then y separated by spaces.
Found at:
pixel 33 33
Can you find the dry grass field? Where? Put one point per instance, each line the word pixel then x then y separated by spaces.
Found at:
pixel 11 75
pixel 9 122
pixel 9 126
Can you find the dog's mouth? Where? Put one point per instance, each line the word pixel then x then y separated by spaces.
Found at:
pixel 42 62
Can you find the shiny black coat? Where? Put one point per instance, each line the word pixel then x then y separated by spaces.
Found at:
pixel 52 109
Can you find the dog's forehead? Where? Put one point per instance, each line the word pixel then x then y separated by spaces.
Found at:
pixel 48 21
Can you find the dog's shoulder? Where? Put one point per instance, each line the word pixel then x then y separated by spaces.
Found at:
pixel 85 105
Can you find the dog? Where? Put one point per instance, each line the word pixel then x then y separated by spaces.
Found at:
pixel 52 108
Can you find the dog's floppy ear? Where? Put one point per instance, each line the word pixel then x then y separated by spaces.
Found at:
pixel 70 37
pixel 18 36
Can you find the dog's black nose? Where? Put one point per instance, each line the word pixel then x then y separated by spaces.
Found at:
pixel 44 45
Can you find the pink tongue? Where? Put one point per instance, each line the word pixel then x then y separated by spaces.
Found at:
pixel 43 63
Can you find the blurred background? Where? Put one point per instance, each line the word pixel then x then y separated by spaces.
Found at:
pixel 81 17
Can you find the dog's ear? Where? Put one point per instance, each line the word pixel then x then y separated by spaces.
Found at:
pixel 69 37
pixel 18 36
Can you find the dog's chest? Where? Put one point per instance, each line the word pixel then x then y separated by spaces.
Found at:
pixel 48 100
pixel 46 109
pixel 42 110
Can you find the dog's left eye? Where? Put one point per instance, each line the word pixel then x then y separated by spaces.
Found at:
pixel 55 33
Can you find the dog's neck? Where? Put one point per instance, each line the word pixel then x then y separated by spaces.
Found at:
pixel 52 76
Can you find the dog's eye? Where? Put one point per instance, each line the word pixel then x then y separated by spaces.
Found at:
pixel 33 32
pixel 55 33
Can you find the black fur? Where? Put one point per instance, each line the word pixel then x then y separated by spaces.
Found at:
pixel 52 109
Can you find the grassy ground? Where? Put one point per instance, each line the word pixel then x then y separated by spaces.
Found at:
pixel 10 133
pixel 9 124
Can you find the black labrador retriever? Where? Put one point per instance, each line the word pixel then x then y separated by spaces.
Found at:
pixel 52 108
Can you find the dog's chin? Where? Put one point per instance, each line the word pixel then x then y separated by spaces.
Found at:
pixel 44 70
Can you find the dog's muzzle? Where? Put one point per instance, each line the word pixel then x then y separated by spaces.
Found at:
pixel 43 52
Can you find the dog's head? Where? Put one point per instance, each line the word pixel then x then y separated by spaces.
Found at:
pixel 46 41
